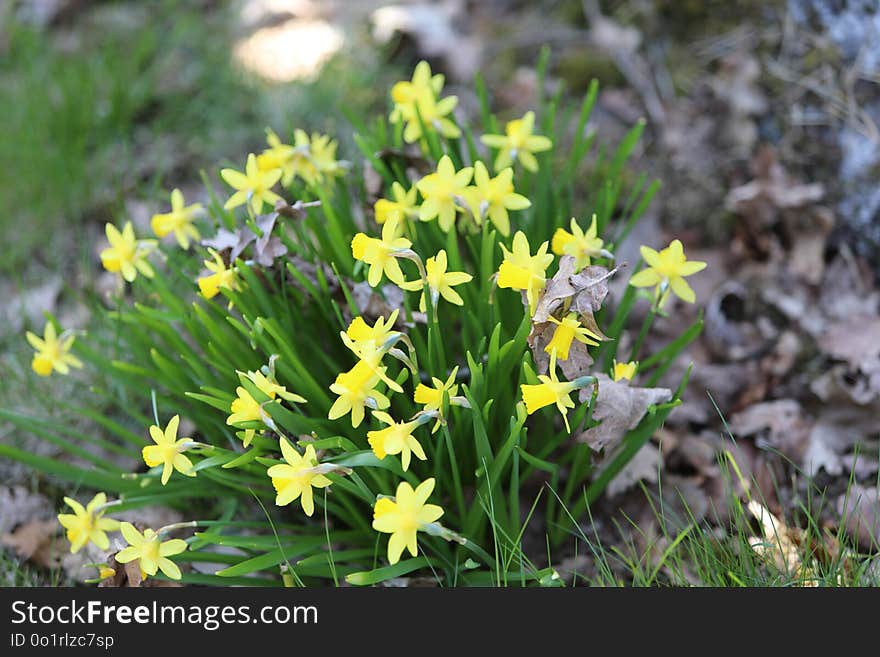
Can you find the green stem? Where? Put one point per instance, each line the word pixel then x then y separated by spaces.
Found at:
pixel 456 476
pixel 643 333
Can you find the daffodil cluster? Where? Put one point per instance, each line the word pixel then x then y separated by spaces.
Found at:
pixel 417 104
pixel 89 525
pixel 374 356
pixel 449 193
pixel 246 411
pixel 361 386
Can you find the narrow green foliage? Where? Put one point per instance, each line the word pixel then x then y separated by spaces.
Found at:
pixel 300 392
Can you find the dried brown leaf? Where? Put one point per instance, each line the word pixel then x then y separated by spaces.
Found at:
pixel 224 240
pixel 854 339
pixel 125 575
pixel 585 291
pixel 619 407
pixel 771 190
pixel 780 423
pixel 859 509
pixel 644 466
pixel 266 247
pixel 732 330
pixel 37 541
pixel 19 505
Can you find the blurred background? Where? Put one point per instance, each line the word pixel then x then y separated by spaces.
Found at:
pixel 762 126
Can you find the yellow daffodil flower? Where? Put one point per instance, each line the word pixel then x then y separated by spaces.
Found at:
pixel 434 115
pixel 370 344
pixel 105 572
pixel 357 388
pixel 403 206
pixel 407 92
pixel 518 143
pixel 87 524
pixel 667 270
pixel 404 516
pixel 493 197
pixel 52 351
pixel 127 254
pixel 625 370
pixel 322 155
pixel 371 356
pixel 360 332
pixel 440 282
pixel 245 408
pixel 169 451
pixel 581 245
pixel 567 330
pixel 270 387
pixel 552 391
pixel 253 187
pixel 151 552
pixel 416 103
pixel 279 156
pixel 311 158
pixel 179 221
pixel 379 253
pixel 441 190
pixel 396 438
pixel 296 478
pixel 222 277
pixel 523 271
pixel 305 167
pixel 432 397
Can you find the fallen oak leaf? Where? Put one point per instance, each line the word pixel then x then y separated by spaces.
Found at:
pixel 855 340
pixel 582 293
pixel 619 408
pixel 37 541
pixel 267 247
pixel 124 575
pixel 555 291
pixel 591 288
pixel 586 290
pixel 644 466
pixel 225 240
pixel 779 423
pixel 772 189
